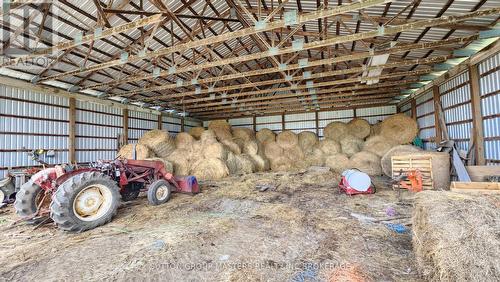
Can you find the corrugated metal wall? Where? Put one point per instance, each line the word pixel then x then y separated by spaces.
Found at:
pixel 489 71
pixel 425 120
pixel 406 109
pixel 139 123
pixel 29 121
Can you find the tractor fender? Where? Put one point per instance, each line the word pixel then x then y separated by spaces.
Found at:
pixel 60 180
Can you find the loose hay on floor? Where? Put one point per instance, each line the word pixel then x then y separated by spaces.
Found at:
pixel 456 237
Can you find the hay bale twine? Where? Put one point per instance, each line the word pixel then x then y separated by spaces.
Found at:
pixel 196 132
pixel 351 145
pixel 335 130
pixel 243 133
pixel 265 135
pixel 287 139
pixel 215 151
pixel 396 151
pixel 379 145
pixel 250 147
pixel 338 162
pixel 184 140
pixel 367 162
pixel 359 128
pixel 400 128
pixel 232 146
pixel 210 169
pixel 169 167
pixel 375 129
pixel 307 140
pixel 315 157
pixel 273 151
pixel 141 152
pixel 329 146
pixel 159 142
pixel 180 161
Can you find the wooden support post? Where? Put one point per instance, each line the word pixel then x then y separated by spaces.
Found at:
pixel 160 121
pixel 477 118
pixel 182 124
pixel 437 105
pixel 254 123
pixel 72 131
pixel 414 109
pixel 282 122
pixel 125 126
pixel 316 114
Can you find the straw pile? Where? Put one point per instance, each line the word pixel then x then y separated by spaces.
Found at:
pixel 159 142
pixel 456 236
pixel 196 132
pixel 134 151
pixel 400 128
pixel 359 128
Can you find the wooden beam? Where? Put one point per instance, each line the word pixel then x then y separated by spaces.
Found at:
pixel 283 122
pixel 125 126
pixel 72 131
pixel 414 109
pixel 182 124
pixel 477 117
pixel 316 118
pixel 254 123
pixel 437 106
pixel 160 121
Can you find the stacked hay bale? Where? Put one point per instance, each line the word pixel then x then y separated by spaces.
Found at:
pixel 221 128
pixel 286 153
pixel 134 151
pixel 196 132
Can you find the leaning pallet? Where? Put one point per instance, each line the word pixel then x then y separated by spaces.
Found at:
pixel 406 163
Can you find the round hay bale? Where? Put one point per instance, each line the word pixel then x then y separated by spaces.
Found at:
pixel 367 162
pixel 180 161
pixel 210 169
pixel 159 142
pixel 184 140
pixel 307 140
pixel 315 157
pixel 169 167
pixel 222 134
pixel 273 151
pixel 440 162
pixel 196 132
pixel 141 152
pixel 208 136
pixel 250 148
pixel 240 164
pixel 243 133
pixel 400 128
pixel 287 139
pixel 329 146
pixel 265 135
pixel 215 151
pixel 375 129
pixel 338 162
pixel 232 146
pixel 295 154
pixel 359 128
pixel 219 124
pixel 281 164
pixel 351 145
pixel 260 163
pixel 400 150
pixel 379 145
pixel 335 130
pixel 239 142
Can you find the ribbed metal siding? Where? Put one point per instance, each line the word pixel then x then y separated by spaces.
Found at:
pixel 139 123
pixel 171 124
pixel 241 121
pixel 376 114
pixel 271 122
pixel 23 133
pixel 300 122
pixel 97 129
pixel 490 107
pixel 426 120
pixel 457 109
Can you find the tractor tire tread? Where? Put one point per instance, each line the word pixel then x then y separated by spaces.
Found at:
pixel 25 204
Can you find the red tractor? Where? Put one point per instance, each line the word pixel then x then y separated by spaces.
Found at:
pixel 82 199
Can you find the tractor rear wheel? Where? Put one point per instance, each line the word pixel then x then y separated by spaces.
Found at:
pixel 85 201
pixel 27 199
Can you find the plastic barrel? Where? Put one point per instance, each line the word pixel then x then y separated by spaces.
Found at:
pixel 356 179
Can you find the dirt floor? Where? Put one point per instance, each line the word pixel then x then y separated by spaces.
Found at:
pixel 300 229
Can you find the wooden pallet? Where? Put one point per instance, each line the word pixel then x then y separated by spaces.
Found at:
pixel 421 162
pixel 474 187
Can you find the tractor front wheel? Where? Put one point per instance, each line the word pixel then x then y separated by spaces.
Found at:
pixel 28 199
pixel 85 201
pixel 159 192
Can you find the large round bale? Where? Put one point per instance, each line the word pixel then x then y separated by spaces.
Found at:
pixel 240 164
pixel 221 128
pixel 232 146
pixel 243 133
pixel 184 140
pixel 379 145
pixel 196 132
pixel 399 150
pixel 400 128
pixel 315 157
pixel 338 162
pixel 281 164
pixel 359 127
pixel 208 136
pixel 273 151
pixel 250 147
pixel 260 163
pixel 287 139
pixel 351 144
pixel 329 146
pixel 240 142
pixel 134 152
pixel 181 161
pixel 215 151
pixel 265 135
pixel 210 169
pixel 169 167
pixel 307 140
pixel 295 154
pixel 367 162
pixel 375 129
pixel 159 142
pixel 440 162
pixel 335 130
